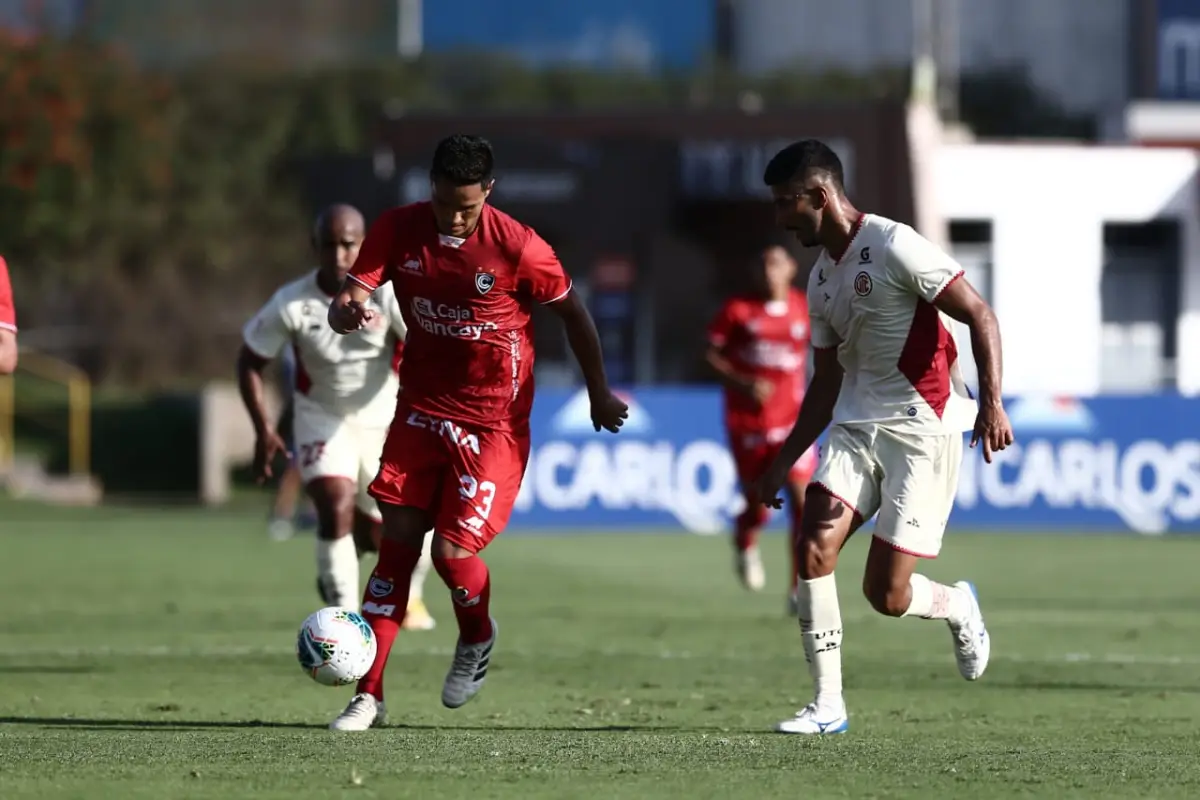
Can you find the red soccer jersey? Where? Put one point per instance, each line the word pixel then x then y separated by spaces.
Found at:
pixel 468 357
pixel 768 340
pixel 8 314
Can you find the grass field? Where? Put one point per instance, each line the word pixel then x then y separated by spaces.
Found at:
pixel 148 654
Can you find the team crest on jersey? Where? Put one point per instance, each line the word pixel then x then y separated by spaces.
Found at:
pixel 412 265
pixel 484 281
pixel 862 284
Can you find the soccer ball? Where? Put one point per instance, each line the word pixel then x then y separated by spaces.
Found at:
pixel 336 646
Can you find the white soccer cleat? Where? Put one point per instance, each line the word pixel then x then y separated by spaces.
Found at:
pixel 749 567
pixel 280 529
pixel 468 671
pixel 972 644
pixel 363 713
pixel 417 617
pixel 813 720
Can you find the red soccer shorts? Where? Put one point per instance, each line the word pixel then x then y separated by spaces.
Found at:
pixel 467 480
pixel 753 452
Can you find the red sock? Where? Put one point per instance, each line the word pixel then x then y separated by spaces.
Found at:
pixel 747 526
pixel 794 540
pixel 470 589
pixel 385 602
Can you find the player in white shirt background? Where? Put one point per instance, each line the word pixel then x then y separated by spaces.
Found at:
pixel 886 376
pixel 344 401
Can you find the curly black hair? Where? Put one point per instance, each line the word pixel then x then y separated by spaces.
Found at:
pixel 800 158
pixel 463 160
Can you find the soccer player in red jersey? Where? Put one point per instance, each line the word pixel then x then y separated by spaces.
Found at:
pixel 758 344
pixel 8 323
pixel 467 277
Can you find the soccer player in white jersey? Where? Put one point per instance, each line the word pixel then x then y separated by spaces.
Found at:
pixel 344 401
pixel 886 376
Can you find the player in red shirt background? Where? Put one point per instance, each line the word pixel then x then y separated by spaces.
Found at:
pixel 758 344
pixel 467 277
pixel 8 323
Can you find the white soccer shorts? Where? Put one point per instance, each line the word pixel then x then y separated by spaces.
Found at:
pixel 910 480
pixel 328 445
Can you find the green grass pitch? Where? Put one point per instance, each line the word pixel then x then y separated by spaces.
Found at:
pixel 148 654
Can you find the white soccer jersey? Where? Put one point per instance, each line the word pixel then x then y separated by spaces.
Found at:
pixel 875 305
pixel 351 375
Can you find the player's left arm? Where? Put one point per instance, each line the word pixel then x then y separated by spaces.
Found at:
pixel 540 275
pixel 938 279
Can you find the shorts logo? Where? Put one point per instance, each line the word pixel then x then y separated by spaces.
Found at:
pixel 378 587
pixel 484 281
pixel 862 284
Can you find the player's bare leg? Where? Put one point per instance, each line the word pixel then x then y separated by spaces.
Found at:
pixel 467 577
pixel 894 588
pixel 282 525
pixel 826 525
pixel 384 606
pixel 418 617
pixel 795 490
pixel 337 556
pixel 747 558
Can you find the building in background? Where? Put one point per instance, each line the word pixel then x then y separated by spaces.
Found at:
pixel 1074 52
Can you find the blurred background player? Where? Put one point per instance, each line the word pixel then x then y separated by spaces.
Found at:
pixel 758 345
pixel 8 323
pixel 344 400
pixel 455 457
pixel 886 375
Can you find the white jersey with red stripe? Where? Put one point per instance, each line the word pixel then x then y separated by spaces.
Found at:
pixel 875 305
pixel 352 376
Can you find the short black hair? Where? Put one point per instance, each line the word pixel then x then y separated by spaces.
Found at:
pixel 801 158
pixel 463 160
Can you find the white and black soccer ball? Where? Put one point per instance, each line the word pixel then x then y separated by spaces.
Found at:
pixel 336 646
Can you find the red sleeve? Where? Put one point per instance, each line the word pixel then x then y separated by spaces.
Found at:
pixel 721 327
pixel 370 269
pixel 8 314
pixel 540 274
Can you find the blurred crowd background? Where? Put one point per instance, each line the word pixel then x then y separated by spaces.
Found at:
pixel 160 163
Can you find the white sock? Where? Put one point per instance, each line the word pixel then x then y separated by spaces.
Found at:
pixel 937 601
pixel 416 589
pixel 337 569
pixel 821 632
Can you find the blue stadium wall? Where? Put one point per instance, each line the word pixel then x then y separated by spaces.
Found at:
pixel 1096 464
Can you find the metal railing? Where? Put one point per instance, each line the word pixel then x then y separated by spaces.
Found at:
pixel 78 388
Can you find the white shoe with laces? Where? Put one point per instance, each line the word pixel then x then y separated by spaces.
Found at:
pixel 972 644
pixel 814 720
pixel 468 671
pixel 363 713
pixel 750 569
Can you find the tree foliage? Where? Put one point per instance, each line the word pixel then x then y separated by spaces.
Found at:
pixel 146 214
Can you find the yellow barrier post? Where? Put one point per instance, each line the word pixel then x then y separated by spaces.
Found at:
pixel 7 422
pixel 79 405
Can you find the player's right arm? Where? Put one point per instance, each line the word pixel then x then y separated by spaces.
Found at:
pixel 370 271
pixel 816 412
pixel 816 409
pixel 8 324
pixel 264 336
pixel 719 331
